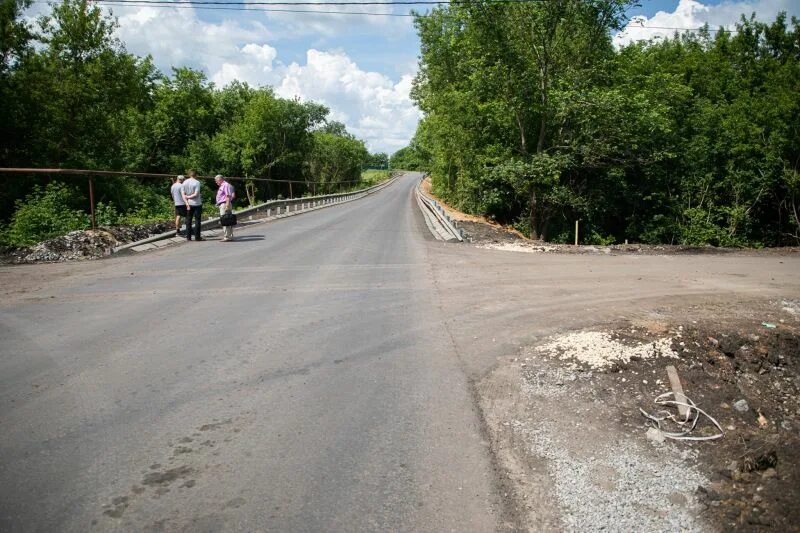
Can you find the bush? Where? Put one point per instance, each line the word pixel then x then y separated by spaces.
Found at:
pixel 373 177
pixel 46 213
pixel 154 209
pixel 106 214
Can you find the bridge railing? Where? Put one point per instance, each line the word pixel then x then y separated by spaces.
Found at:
pixel 91 174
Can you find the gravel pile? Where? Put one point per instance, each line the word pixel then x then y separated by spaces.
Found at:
pixel 598 349
pixel 82 244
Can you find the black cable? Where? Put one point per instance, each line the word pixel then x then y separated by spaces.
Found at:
pixel 262 10
pixel 241 6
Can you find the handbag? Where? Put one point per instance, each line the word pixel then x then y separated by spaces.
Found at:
pixel 228 219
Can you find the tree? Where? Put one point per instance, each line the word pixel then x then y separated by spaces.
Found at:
pixel 183 109
pixel 532 117
pixel 335 160
pixel 379 161
pixel 84 82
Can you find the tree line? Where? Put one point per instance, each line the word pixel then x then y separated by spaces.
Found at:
pixel 533 118
pixel 73 97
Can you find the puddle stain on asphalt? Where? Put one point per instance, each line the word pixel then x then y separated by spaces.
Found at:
pixel 159 478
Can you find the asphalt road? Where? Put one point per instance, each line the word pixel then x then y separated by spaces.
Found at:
pixel 316 375
pixel 299 379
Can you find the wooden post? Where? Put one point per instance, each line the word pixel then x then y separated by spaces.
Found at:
pixel 576 233
pixel 677 389
pixel 291 195
pixel 91 202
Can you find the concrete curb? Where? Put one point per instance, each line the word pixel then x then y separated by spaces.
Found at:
pixel 282 208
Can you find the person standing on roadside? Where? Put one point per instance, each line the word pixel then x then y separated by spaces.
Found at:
pixel 180 204
pixel 225 196
pixel 194 202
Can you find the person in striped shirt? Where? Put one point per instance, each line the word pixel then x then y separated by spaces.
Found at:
pixel 225 196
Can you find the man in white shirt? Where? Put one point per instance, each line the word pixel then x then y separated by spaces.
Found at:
pixel 194 203
pixel 180 204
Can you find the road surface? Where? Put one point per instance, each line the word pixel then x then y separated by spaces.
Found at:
pixel 315 375
pixel 298 379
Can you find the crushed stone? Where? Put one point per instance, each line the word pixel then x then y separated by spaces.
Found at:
pixel 791 306
pixel 644 492
pixel 598 349
pixel 518 246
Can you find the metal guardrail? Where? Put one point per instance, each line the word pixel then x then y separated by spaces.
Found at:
pixel 439 212
pixel 124 174
pixel 277 208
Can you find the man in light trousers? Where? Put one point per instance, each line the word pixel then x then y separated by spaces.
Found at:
pixel 225 196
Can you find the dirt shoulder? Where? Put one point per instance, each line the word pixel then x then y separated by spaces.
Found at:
pixel 570 437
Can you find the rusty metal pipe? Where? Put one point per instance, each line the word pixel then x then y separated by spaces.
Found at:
pixel 85 172
pixel 91 202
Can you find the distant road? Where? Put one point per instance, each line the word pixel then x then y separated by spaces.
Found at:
pixel 299 379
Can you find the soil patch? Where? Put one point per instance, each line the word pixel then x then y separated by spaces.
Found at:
pixel 567 424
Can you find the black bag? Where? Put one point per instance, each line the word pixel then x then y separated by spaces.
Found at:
pixel 228 219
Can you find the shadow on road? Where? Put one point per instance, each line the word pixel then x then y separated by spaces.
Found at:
pixel 249 238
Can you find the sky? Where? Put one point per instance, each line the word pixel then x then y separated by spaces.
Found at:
pixel 360 66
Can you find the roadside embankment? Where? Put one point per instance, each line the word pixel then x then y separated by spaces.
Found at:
pixel 486 233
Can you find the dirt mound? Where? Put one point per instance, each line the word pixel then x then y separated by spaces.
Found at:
pixel 82 244
pixel 564 426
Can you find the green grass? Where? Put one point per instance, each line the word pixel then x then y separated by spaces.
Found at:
pixel 373 177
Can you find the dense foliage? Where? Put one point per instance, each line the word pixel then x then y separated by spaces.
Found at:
pixel 73 97
pixel 533 118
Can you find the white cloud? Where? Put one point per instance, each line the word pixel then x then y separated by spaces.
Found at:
pixel 693 14
pixel 373 107
pixel 253 64
pixel 177 37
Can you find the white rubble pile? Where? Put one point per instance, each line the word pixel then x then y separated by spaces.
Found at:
pixel 519 246
pixel 83 244
pixel 598 349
